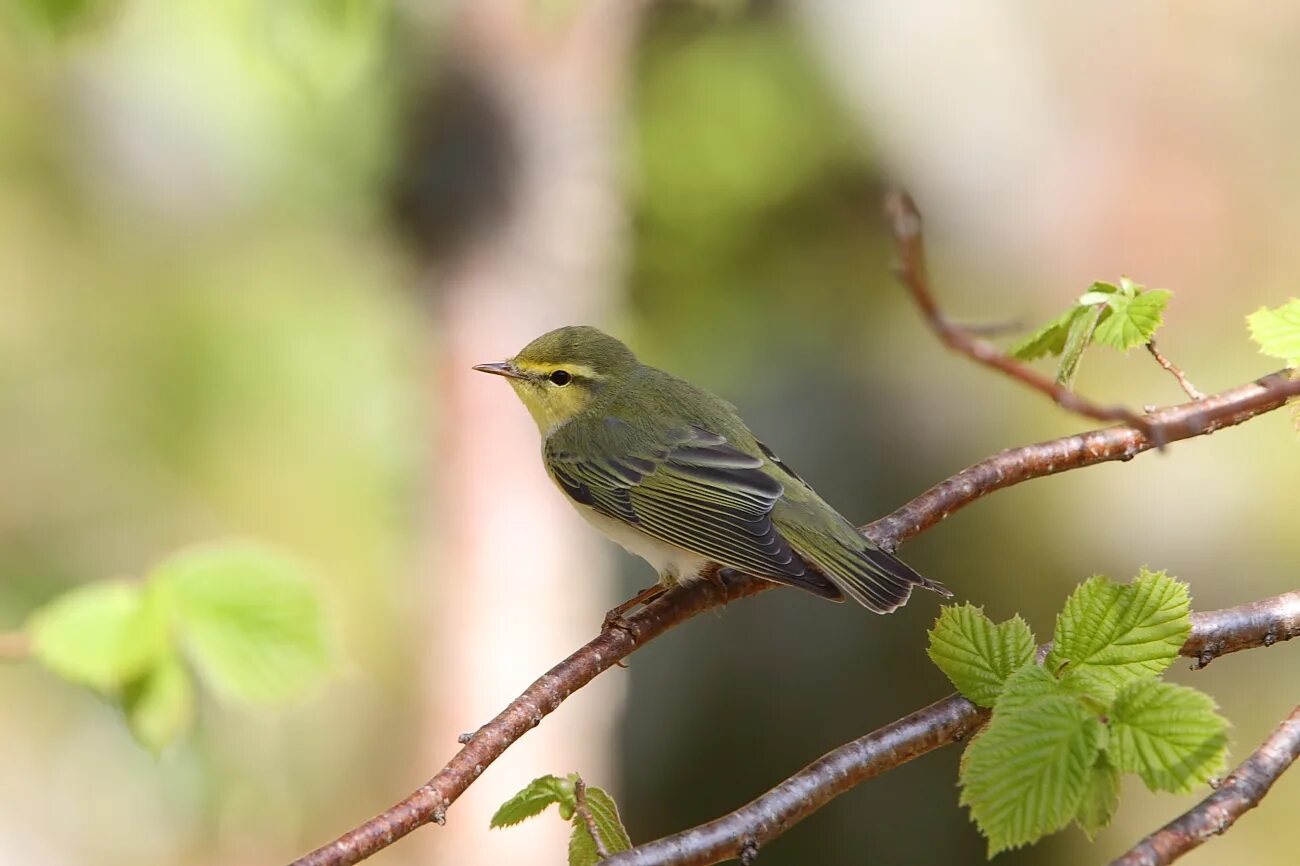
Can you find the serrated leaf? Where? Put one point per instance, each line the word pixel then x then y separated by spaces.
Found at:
pixel 101 635
pixel 1168 734
pixel 1026 776
pixel 1077 339
pixel 159 705
pixel 1110 634
pixel 1047 340
pixel 1027 684
pixel 582 848
pixel 533 799
pixel 1277 331
pixel 250 618
pixel 604 814
pixel 1100 797
pixel 1132 319
pixel 609 824
pixel 976 655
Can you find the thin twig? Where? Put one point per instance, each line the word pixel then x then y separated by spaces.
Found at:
pixel 1236 796
pixel 14 646
pixel 1188 388
pixel 1017 465
pixel 584 812
pixel 1258 624
pixel 905 226
pixel 1007 468
pixel 992 329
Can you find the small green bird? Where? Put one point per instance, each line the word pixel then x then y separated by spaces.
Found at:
pixel 671 473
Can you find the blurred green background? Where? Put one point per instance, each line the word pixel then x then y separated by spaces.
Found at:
pixel 248 250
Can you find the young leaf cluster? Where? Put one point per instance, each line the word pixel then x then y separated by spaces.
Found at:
pixel 1119 316
pixel 571 796
pixel 1277 332
pixel 247 619
pixel 1063 731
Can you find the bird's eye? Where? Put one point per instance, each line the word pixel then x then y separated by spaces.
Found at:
pixel 561 377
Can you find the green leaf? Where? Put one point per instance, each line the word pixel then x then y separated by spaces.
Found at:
pixel 1076 340
pixel 1109 635
pixel 1278 331
pixel 250 618
pixel 101 635
pixel 1047 340
pixel 1121 316
pixel 1026 685
pixel 1100 293
pixel 1132 319
pixel 1027 775
pixel 604 814
pixel 976 655
pixel 1168 734
pixel 159 705
pixel 582 848
pixel 1100 797
pixel 533 799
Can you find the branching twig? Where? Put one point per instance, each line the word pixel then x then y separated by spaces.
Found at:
pixel 1027 462
pixel 14 646
pixel 584 812
pixel 1004 469
pixel 1236 796
pixel 1188 388
pixel 1258 624
pixel 905 226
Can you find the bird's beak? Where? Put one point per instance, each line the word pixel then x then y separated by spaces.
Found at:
pixel 500 368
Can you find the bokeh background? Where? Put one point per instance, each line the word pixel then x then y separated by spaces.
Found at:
pixel 248 251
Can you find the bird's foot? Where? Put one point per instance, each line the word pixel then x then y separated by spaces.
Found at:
pixel 721 576
pixel 615 618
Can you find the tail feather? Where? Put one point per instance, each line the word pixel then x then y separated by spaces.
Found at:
pixel 812 580
pixel 877 580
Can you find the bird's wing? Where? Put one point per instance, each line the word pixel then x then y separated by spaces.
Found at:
pixel 694 491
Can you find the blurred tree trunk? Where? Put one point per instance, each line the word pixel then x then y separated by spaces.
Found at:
pixel 513 576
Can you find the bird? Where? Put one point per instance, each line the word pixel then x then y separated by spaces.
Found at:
pixel 673 474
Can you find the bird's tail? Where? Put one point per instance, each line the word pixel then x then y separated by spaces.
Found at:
pixel 879 581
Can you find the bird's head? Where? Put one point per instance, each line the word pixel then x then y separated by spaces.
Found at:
pixel 559 374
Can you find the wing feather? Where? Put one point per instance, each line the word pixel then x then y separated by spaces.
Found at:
pixel 695 490
pixel 700 493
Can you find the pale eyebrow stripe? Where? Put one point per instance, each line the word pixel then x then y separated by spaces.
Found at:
pixel 576 369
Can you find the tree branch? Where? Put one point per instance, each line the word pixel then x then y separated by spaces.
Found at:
pixel 1017 465
pixel 740 833
pixel 905 226
pixel 1236 796
pixel 1261 623
pixel 1013 466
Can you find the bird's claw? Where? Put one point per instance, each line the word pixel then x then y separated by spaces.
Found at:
pixel 614 619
